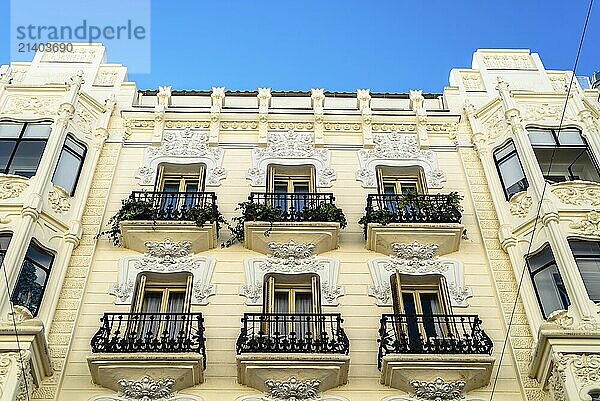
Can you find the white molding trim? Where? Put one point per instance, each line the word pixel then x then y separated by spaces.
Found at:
pixel 184 146
pixel 165 257
pixel 417 259
pixel 291 149
pixel 267 398
pixel 397 149
pixel 180 397
pixel 292 258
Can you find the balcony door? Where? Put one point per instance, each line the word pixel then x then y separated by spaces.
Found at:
pixel 292 301
pixel 422 301
pixel 297 180
pixel 162 302
pixel 398 181
pixel 182 183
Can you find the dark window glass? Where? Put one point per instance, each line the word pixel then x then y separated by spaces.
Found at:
pixel 563 155
pixel 548 283
pixel 69 165
pixel 587 256
pixel 22 146
pixel 510 170
pixel 4 241
pixel 595 395
pixel 32 279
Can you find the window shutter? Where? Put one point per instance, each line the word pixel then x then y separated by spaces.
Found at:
pixel 444 296
pixel 139 295
pixel 188 294
pixel 269 295
pixel 316 294
pixel 396 290
pixel 201 177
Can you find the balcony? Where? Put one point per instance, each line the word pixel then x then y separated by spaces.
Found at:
pixel 178 216
pixel 429 219
pixel 281 217
pixel 160 345
pixel 427 347
pixel 281 346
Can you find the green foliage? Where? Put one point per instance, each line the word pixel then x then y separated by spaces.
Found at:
pixel 429 209
pixel 144 210
pixel 251 211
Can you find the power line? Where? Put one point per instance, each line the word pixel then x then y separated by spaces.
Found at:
pixel 537 215
pixel 12 308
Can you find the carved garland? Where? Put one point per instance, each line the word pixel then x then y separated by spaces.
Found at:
pixel 588 226
pixel 417 259
pixel 291 258
pixel 166 257
pixel 578 193
pixel 12 186
pixel 183 147
pixel 291 148
pixel 147 389
pixel 397 149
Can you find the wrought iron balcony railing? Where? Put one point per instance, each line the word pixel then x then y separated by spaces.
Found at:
pixel 293 333
pixel 150 332
pixel 180 206
pixel 295 206
pixel 384 208
pixel 432 334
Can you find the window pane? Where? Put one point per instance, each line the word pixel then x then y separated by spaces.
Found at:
pixel 551 290
pixel 567 164
pixel 30 287
pixel 389 189
pixel 584 248
pixel 67 170
pixel 540 259
pixel 281 302
pixel 280 187
pixel 27 158
pixel 152 302
pixel 75 146
pixel 512 175
pixel 39 256
pixel 504 151
pixel 6 149
pixel 303 302
pixel 10 130
pixel 570 136
pixel 37 131
pixel 590 273
pixel 301 187
pixel 541 137
pixel 4 241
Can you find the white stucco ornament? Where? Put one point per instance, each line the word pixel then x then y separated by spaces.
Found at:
pixel 417 259
pixel 183 146
pixel 291 258
pixel 166 257
pixel 291 148
pixel 397 149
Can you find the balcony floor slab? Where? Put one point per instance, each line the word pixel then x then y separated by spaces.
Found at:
pixel 325 235
pixel 135 234
pixel 254 369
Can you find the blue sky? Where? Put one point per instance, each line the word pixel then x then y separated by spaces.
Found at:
pixel 387 46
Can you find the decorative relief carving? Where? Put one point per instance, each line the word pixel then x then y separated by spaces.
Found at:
pixel 138 124
pixel 584 368
pixel 496 125
pixel 348 127
pixel 147 388
pixel 588 226
pixel 291 126
pixel 28 104
pixel 295 148
pixel 106 76
pixel 391 127
pixel 438 390
pixel 577 193
pixel 21 363
pixel 84 119
pixel 60 200
pixel 291 258
pixel 239 125
pixel 520 204
pixel 397 149
pixel 182 124
pixel 508 61
pixel 183 146
pixel 544 111
pixel 293 389
pixel 18 314
pixel 472 81
pixel 166 257
pixel 417 259
pixel 12 186
pixel 78 55
pixel 558 81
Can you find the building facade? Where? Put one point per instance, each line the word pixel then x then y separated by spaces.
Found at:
pixel 270 246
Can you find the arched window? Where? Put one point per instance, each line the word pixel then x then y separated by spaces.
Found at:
pixel 548 283
pixel 22 146
pixel 587 256
pixel 33 278
pixel 510 169
pixel 69 165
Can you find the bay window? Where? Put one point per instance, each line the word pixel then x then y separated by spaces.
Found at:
pixel 69 165
pixel 22 146
pixel 547 282
pixel 587 257
pixel 510 170
pixel 33 277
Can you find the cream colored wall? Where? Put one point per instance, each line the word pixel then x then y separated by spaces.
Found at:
pixel 222 315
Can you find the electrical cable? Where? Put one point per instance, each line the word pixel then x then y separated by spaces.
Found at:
pixel 526 267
